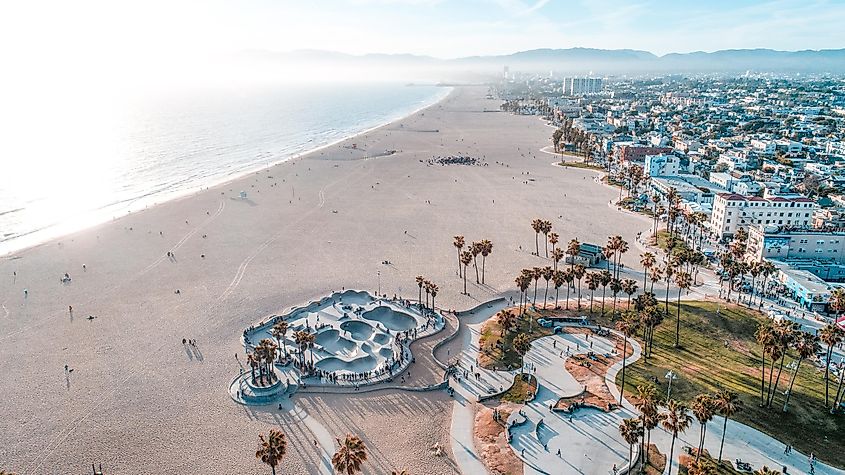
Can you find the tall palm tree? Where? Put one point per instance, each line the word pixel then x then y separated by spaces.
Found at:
pixel 546 229
pixel 569 277
pixel 703 408
pixel 350 456
pixel 728 404
pixel 628 325
pixel 785 331
pixel 537 226
pixel 280 329
pixel 655 200
pixel 629 286
pixel 486 250
pixel 765 337
pixel 421 280
pixel 573 249
pixel 475 249
pixel 466 259
pixel 604 280
pixel 655 274
pixel 427 288
pixel 433 289
pixel 668 272
pixel 646 403
pixel 557 255
pixel 554 238
pixel 300 338
pixel 506 319
pixel 547 273
pixel 607 252
pixel 536 274
pixel 272 449
pixel 252 361
pixel 676 420
pixel 830 335
pixel 558 279
pixel 615 288
pixel 593 279
pixel 683 281
pixel 521 344
pixel 459 243
pixel 806 345
pixel 579 272
pixel 631 431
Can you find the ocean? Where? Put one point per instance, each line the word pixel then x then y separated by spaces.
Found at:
pixel 98 163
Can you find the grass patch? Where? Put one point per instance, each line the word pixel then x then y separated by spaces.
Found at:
pixel 497 351
pixel 588 166
pixel 705 364
pixel 663 242
pixel 524 385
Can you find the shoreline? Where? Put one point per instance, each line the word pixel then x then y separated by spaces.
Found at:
pixel 47 234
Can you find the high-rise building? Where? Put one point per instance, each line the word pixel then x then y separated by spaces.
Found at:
pixel 582 86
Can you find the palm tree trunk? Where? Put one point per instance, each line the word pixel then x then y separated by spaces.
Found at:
pixel 791 382
pixel 579 293
pixel 838 391
pixel 603 290
pixel 567 295
pixel 483 267
pixel 465 279
pixel 537 242
pixel 722 444
pixel 630 455
pixel 557 293
pixel 671 450
pixel 459 262
pixel 546 295
pixel 777 380
pixel 645 276
pixel 771 375
pixel 763 380
pixel 535 293
pixel 475 264
pixel 700 442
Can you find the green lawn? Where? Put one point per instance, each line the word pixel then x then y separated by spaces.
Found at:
pixel 588 166
pixel 505 357
pixel 663 241
pixel 704 364
pixel 518 393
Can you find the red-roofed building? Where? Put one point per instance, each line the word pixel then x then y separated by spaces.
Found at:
pixel 732 211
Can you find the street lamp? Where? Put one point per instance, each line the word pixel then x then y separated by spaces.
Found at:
pixel 379 282
pixel 670 375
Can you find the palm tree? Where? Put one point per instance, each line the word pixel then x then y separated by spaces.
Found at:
pixel 700 467
pixel 629 286
pixel 554 238
pixel 807 345
pixel 615 288
pixel 604 280
pixel 572 250
pixel 676 420
pixel 427 288
pixel 350 456
pixel 683 281
pixel 579 272
pixel 280 329
pixel 830 335
pixel 569 277
pixel 765 338
pixel 459 243
pixel 593 279
pixel 557 255
pixel 628 325
pixel 506 319
pixel 466 258
pixel 433 289
pixel 486 250
pixel 668 272
pixel 421 281
pixel 631 431
pixel 558 278
pixel 703 408
pixel 272 449
pixel 546 229
pixel 521 344
pixel 784 331
pixel 252 360
pixel 547 274
pixel 475 249
pixel 646 403
pixel 728 404
pixel 655 274
pixel 655 200
pixel 301 339
pixel 537 226
pixel 536 274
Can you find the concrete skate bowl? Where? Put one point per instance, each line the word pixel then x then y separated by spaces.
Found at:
pixel 360 331
pixel 356 365
pixel 390 318
pixel 332 342
pixel 353 297
pixel 385 352
pixel 381 338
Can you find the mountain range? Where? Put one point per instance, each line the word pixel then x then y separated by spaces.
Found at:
pixel 597 61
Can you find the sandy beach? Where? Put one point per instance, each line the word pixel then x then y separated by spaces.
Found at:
pixel 137 402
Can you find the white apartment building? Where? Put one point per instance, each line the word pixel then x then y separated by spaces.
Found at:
pixel 773 243
pixel 662 165
pixel 732 211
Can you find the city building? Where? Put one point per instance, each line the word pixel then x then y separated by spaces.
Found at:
pixel 582 86
pixel 662 165
pixel 732 211
pixel 637 153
